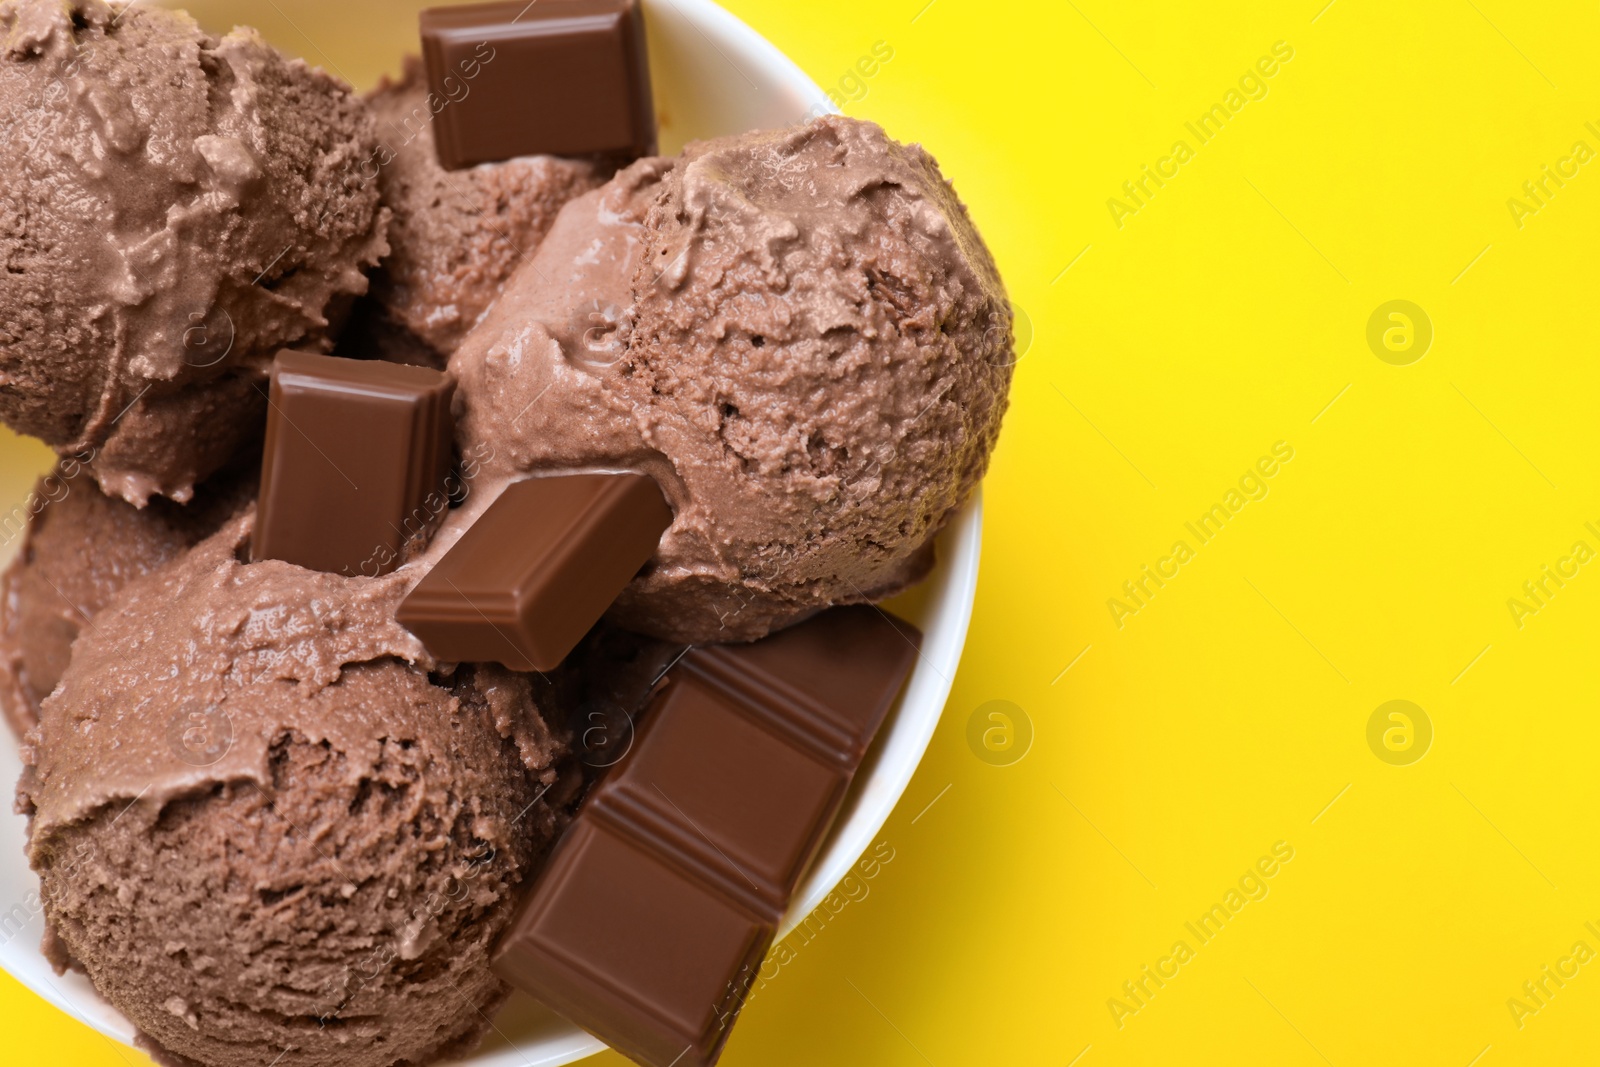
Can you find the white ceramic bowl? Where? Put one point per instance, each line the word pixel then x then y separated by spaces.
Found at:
pixel 713 75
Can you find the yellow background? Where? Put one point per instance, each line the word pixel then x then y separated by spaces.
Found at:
pixel 1229 313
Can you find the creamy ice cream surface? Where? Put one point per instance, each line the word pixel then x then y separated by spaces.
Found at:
pixel 173 208
pixel 456 235
pixel 79 549
pixel 271 828
pixel 799 333
pixel 268 834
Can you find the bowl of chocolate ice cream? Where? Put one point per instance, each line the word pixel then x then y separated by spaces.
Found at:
pixel 818 432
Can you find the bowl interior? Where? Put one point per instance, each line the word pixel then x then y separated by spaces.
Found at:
pixel 712 75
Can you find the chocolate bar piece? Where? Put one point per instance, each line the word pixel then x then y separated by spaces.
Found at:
pixel 635 948
pixel 538 569
pixel 559 77
pixel 652 917
pixel 357 455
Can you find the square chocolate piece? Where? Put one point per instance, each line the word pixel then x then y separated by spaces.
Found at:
pixel 748 751
pixel 538 569
pixel 827 682
pixel 648 925
pixel 357 454
pixel 555 77
pixel 729 792
pixel 635 949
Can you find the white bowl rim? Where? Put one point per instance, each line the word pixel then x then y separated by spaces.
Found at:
pixel 898 752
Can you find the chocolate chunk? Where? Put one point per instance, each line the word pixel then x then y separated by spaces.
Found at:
pixel 565 77
pixel 538 569
pixel 635 948
pixel 357 455
pixel 652 917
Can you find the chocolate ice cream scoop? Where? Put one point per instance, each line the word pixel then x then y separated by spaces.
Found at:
pixel 78 551
pixel 456 236
pixel 175 208
pixel 798 333
pixel 268 834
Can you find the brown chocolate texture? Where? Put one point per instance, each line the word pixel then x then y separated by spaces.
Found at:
pixel 260 824
pixel 78 550
pixel 798 333
pixel 456 237
pixel 584 60
pixel 166 226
